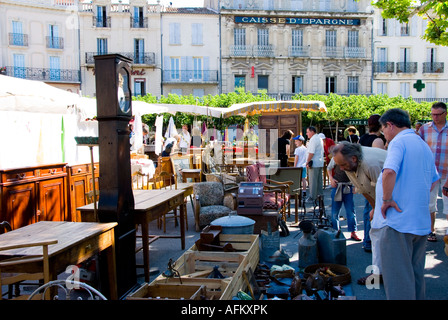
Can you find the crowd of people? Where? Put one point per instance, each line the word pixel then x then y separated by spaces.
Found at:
pixel 400 171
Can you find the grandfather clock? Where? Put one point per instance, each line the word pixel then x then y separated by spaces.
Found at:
pixel 116 201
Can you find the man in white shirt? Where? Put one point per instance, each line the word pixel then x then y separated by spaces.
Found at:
pixel 315 162
pixel 185 139
pixel 401 219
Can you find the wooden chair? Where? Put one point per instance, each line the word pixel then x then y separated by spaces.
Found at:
pixel 8 267
pixel 294 175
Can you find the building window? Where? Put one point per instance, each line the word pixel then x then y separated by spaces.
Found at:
pixel 54 42
pixel 101 44
pixel 19 66
pixel 381 88
pixel 383 27
pixel 139 51
pixel 196 34
pixel 55 68
pixel 239 36
pixel 297 37
pixel 175 68
pixel 174 33
pixel 353 39
pixel 263 82
pixel 17 34
pixel 139 87
pixel 405 89
pixel 197 68
pixel 101 17
pixel 198 92
pixel 430 89
pixel 263 37
pixel 404 29
pixel 240 82
pixel 138 21
pixel 176 91
pixel 352 85
pixel 297 84
pixel 330 85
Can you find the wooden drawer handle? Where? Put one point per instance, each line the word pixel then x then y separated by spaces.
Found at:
pixel 21 176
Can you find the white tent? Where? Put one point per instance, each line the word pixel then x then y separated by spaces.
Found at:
pixel 34 96
pixel 37 123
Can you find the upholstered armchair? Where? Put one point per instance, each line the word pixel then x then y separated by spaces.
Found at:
pixel 212 202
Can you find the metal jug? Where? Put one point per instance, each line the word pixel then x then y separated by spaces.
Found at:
pixel 308 251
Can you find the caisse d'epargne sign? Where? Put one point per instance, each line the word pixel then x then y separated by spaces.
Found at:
pixel 286 20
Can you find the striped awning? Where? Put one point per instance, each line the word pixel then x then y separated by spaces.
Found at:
pixel 252 108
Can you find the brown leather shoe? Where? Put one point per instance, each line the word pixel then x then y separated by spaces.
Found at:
pixel 353 236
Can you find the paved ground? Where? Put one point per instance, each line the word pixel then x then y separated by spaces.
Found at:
pixel 358 260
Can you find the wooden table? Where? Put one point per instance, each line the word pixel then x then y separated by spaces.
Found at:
pixel 149 206
pixel 194 174
pixel 77 241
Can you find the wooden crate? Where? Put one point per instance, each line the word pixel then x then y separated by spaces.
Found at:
pixel 194 266
pixel 168 291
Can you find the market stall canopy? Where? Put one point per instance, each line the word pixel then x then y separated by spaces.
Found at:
pixel 252 108
pixel 34 96
pixel 192 109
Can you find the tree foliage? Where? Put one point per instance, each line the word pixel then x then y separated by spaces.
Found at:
pixel 434 11
pixel 338 107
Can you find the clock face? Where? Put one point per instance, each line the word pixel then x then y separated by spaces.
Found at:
pixel 123 94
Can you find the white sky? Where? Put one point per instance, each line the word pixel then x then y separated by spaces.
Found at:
pixel 183 3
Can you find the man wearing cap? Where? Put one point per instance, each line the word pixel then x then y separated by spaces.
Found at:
pixel 300 157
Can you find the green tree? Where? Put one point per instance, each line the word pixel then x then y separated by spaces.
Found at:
pixel 434 11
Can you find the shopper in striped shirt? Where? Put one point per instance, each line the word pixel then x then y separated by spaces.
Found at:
pixel 435 134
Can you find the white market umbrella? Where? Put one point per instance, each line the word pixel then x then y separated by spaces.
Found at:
pixel 34 96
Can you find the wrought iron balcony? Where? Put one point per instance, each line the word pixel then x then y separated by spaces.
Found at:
pixel 144 58
pixel 263 51
pixel 190 76
pixel 296 51
pixel 55 42
pixel 433 67
pixel 240 51
pixel 354 52
pixel 139 22
pixel 103 22
pixel 18 39
pixel 407 67
pixel 332 52
pixel 44 74
pixel 384 67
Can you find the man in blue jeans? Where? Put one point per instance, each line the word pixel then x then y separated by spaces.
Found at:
pixel 342 193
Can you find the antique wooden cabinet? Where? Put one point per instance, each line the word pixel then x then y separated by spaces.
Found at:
pixel 32 194
pixel 80 183
pixel 281 122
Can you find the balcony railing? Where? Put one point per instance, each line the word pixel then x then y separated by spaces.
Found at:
pixel 190 76
pixel 263 51
pixel 18 39
pixel 433 67
pixel 295 51
pixel 103 22
pixel 44 74
pixel 145 58
pixel 240 51
pixel 354 52
pixel 332 52
pixel 139 22
pixel 55 42
pixel 407 67
pixel 383 67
